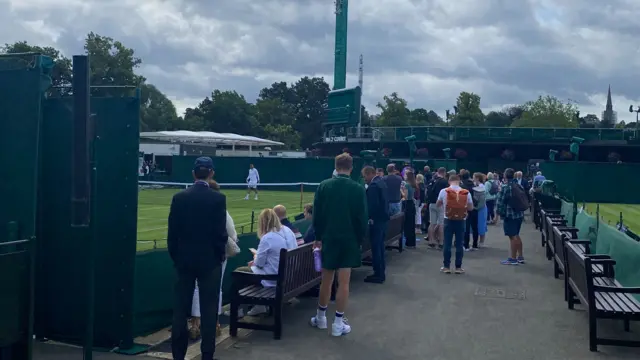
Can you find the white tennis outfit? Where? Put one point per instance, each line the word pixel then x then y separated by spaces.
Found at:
pixel 253 178
pixel 195 304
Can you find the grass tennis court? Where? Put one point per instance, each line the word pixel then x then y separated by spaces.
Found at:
pixel 153 210
pixel 611 214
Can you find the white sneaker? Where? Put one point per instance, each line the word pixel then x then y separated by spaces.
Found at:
pixel 240 313
pixel 340 329
pixel 258 310
pixel 319 322
pixel 256 198
pixel 246 197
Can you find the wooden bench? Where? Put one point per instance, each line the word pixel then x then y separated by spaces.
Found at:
pixel 296 275
pixel 544 232
pixel 556 246
pixel 601 294
pixel 392 239
pixel 550 223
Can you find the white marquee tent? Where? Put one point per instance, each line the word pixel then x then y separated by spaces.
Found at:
pixel 207 137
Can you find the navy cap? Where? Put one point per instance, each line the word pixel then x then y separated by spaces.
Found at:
pixel 203 162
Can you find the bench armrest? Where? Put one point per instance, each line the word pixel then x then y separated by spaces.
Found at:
pixel 599 257
pixel 603 261
pixel 616 289
pixel 580 242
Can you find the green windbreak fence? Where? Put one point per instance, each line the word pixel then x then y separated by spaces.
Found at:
pixel 23 80
pixel 608 240
pixel 154 280
pixel 21 91
pixel 62 256
pixel 586 180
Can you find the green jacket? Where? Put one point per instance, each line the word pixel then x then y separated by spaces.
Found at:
pixel 340 211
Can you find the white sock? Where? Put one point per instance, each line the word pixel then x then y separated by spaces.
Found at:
pixel 339 318
pixel 321 312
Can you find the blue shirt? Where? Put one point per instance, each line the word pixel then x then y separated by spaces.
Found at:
pixel 267 257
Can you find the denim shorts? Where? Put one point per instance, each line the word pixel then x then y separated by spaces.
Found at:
pixel 512 227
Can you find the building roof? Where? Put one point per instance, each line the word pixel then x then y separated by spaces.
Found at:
pixel 208 137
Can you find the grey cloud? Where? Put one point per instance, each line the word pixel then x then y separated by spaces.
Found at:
pixel 426 50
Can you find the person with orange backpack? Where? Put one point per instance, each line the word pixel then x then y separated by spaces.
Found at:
pixel 457 203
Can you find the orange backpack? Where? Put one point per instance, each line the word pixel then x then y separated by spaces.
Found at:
pixel 456 208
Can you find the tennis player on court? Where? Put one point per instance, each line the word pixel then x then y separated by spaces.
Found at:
pixel 252 182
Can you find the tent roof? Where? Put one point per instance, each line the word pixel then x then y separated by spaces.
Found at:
pixel 183 136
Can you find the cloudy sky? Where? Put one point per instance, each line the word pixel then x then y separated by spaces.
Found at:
pixel 507 51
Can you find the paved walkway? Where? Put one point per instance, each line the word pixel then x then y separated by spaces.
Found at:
pixel 420 313
pixel 492 312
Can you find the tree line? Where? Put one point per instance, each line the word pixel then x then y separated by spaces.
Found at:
pixel 288 112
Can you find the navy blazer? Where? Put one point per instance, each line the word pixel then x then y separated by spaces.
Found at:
pixel 197 234
pixel 378 200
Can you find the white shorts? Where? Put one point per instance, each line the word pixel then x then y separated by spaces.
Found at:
pixel 252 185
pixel 195 304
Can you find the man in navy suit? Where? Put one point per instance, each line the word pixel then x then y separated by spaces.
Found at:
pixel 378 208
pixel 196 239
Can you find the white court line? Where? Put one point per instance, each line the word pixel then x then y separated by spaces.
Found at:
pixel 153 229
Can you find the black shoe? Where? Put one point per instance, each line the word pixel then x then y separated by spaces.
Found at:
pixel 373 279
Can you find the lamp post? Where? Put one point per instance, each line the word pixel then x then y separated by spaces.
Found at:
pixel 637 111
pixel 574 148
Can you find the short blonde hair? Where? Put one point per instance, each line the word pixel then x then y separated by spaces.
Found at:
pixel 280 211
pixel 268 221
pixel 344 162
pixel 420 178
pixel 490 176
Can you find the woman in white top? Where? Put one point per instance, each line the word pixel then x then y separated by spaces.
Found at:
pixel 195 307
pixel 267 257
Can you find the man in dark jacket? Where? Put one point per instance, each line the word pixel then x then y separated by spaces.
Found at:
pixel 196 239
pixel 378 209
pixel 471 225
pixel 394 182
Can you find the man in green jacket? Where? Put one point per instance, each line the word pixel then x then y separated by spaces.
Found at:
pixel 340 220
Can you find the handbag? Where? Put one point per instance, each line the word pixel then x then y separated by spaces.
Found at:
pixel 231 248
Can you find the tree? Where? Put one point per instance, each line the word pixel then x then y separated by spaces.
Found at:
pixel 224 112
pixel 422 117
pixel 157 112
pixel 547 111
pixel 311 96
pixel 283 133
pixel 434 118
pixel 498 119
pixel 112 64
pixel 588 121
pixel 394 111
pixel 61 74
pixel 467 110
pixel 274 111
pixel 275 121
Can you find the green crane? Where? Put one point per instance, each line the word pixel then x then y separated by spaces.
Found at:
pixel 340 61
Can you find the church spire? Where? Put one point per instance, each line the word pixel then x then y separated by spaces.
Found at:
pixel 609 104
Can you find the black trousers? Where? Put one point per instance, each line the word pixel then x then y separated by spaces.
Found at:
pixel 409 222
pixel 209 290
pixel 471 228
